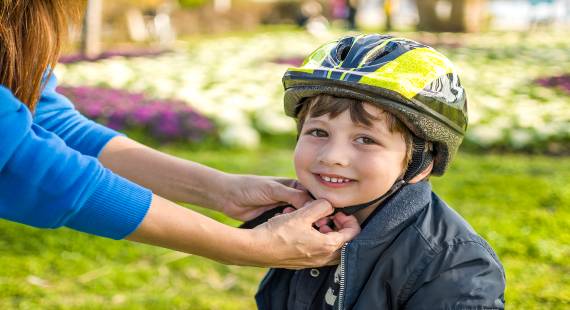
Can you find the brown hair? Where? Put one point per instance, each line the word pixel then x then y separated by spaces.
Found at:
pixel 333 106
pixel 32 33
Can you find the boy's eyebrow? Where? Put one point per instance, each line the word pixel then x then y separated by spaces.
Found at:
pixel 379 118
pixel 380 129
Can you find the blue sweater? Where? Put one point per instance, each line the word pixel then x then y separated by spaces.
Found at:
pixel 50 176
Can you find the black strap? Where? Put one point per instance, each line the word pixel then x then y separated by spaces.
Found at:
pixel 421 158
pixel 264 217
pixel 353 209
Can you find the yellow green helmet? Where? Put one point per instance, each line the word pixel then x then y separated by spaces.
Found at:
pixel 410 80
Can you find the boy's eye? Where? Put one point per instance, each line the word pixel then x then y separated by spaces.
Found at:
pixel 365 140
pixel 317 133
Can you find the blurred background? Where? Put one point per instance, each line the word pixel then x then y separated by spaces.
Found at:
pixel 201 79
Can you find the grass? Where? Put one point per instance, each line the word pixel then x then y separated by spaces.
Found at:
pixel 520 204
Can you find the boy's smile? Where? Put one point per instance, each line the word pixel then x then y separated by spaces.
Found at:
pixel 333 180
pixel 348 163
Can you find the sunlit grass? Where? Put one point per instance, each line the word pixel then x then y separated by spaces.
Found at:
pixel 520 204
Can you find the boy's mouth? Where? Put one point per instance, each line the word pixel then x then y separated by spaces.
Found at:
pixel 333 180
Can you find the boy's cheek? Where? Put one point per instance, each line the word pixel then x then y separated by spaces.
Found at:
pixel 301 169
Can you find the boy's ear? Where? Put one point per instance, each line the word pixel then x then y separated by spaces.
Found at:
pixel 424 174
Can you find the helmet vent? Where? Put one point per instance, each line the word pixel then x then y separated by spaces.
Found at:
pixel 382 52
pixel 343 52
pixel 343 48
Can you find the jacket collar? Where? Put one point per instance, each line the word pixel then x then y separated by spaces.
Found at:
pixel 396 212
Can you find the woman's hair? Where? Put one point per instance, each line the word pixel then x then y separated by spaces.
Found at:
pixel 333 106
pixel 32 33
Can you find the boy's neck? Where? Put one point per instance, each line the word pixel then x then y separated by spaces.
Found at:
pixel 363 214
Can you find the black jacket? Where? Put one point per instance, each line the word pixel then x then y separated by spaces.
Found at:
pixel 414 253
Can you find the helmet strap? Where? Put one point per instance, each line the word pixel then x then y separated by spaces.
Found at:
pixel 421 158
pixel 353 209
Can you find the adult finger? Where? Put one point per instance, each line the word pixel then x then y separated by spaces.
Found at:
pixel 325 229
pixel 296 197
pixel 314 210
pixel 288 210
pixel 347 226
pixel 291 183
pixel 342 220
pixel 323 221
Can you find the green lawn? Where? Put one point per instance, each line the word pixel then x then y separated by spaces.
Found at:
pixel 520 204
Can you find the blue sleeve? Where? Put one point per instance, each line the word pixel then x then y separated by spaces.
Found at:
pixel 57 114
pixel 44 183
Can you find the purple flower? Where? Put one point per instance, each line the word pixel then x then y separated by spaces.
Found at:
pixel 562 82
pixel 122 110
pixel 143 114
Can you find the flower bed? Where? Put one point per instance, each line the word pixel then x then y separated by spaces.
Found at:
pixel 121 110
pixel 237 82
pixel 508 109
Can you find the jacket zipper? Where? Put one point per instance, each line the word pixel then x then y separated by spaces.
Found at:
pixel 342 276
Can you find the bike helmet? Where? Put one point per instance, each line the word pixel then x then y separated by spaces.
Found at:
pixel 412 81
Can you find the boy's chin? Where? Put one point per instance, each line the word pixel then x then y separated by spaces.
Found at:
pixel 345 204
pixel 342 205
pixel 336 203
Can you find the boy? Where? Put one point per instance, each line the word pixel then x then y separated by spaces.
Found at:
pixel 376 116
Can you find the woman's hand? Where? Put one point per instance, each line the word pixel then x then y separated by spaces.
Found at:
pixel 247 196
pixel 290 241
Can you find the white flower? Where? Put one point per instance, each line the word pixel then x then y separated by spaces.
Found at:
pixel 274 122
pixel 240 136
pixel 117 73
pixel 485 135
pixel 231 115
pixel 520 137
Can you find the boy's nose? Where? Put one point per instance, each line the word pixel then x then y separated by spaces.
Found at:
pixel 334 155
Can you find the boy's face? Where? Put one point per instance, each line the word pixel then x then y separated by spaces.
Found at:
pixel 348 163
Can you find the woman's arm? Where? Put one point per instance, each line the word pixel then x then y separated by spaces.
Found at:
pixel 239 196
pixel 287 240
pixel 56 114
pixel 45 183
